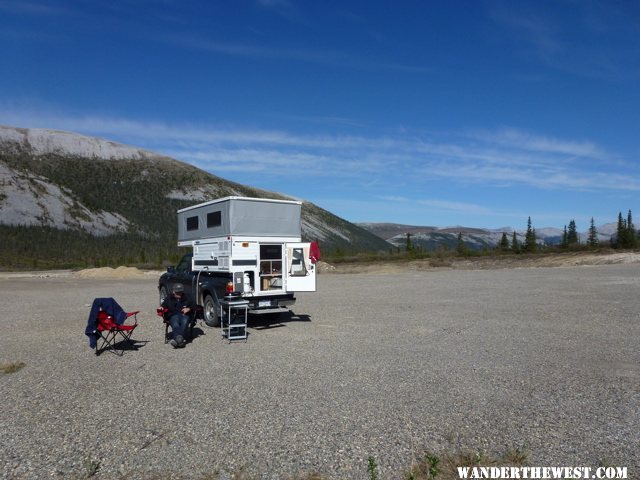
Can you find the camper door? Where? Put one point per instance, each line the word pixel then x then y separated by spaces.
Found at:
pixel 300 272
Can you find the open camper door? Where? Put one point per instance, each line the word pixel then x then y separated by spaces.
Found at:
pixel 300 274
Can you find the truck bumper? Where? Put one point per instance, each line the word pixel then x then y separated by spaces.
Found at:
pixel 260 305
pixel 268 311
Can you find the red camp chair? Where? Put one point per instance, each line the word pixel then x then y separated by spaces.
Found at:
pixel 162 313
pixel 112 334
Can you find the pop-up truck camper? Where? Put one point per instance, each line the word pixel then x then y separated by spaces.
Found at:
pixel 250 247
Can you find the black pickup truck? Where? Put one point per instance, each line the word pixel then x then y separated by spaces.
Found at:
pixel 208 288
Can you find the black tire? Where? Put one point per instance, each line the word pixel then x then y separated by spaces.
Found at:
pixel 164 293
pixel 211 312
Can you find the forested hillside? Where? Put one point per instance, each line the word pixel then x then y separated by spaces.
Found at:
pixel 141 193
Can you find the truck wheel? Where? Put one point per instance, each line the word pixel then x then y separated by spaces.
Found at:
pixel 211 313
pixel 164 293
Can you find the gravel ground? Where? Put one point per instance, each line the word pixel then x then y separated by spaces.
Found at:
pixel 386 366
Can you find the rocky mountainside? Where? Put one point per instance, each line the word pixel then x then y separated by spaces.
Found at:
pixel 91 198
pixel 432 238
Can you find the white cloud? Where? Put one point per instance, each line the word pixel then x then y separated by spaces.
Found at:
pixel 457 207
pixel 521 140
pixel 305 54
pixel 506 157
pixel 394 198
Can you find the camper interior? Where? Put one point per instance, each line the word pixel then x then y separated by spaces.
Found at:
pixel 271 266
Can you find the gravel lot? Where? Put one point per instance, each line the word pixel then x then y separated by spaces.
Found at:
pixel 372 365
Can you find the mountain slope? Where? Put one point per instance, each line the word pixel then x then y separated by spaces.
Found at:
pixel 64 185
pixel 432 238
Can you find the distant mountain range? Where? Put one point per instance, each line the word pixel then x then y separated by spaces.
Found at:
pixel 432 238
pixel 67 196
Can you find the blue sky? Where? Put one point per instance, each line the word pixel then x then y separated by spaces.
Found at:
pixel 475 113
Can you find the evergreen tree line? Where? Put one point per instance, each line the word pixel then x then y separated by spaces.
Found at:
pixel 626 237
pixel 29 247
pixel 626 233
pixel 530 244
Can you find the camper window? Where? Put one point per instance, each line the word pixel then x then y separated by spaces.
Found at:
pixel 214 219
pixel 298 268
pixel 192 223
pixel 270 259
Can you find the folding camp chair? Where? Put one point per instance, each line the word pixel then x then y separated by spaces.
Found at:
pixel 162 313
pixel 113 334
pixel 107 323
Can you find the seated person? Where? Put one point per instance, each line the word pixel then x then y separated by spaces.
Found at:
pixel 180 309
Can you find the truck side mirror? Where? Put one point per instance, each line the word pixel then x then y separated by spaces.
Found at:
pixel 171 269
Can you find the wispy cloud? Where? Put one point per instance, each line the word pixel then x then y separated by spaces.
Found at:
pixel 324 120
pixel 457 207
pixel 430 207
pixel 435 206
pixel 394 198
pixel 257 51
pixel 25 7
pixel 285 8
pixel 504 158
pixel 576 39
pixel 26 35
pixel 333 58
pixel 514 138
pixel 14 32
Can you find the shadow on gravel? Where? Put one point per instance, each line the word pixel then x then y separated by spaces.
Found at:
pixel 124 346
pixel 267 321
pixel 197 332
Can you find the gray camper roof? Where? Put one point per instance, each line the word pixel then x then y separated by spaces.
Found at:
pixel 240 216
pixel 252 199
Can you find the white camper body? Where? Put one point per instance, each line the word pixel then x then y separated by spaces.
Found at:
pixel 257 241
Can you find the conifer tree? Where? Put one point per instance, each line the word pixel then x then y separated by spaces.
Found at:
pixel 572 234
pixel 632 237
pixel 621 232
pixel 409 243
pixel 592 241
pixel 504 243
pixel 515 245
pixel 565 238
pixel 461 248
pixel 626 234
pixel 530 244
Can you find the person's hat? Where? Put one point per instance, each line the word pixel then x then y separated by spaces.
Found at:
pixel 178 288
